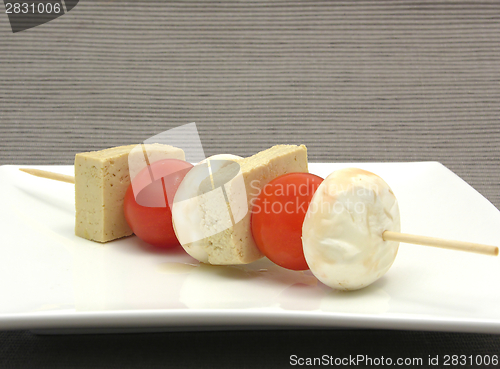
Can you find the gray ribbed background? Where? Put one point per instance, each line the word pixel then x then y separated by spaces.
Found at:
pixel 354 81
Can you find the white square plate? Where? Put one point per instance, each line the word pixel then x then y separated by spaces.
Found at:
pixel 53 281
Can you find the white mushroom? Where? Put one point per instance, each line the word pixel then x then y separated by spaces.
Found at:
pixel 343 227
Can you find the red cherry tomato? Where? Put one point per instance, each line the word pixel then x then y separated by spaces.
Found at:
pixel 277 216
pixel 149 198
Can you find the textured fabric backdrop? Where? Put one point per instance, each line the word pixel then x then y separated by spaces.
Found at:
pixel 354 81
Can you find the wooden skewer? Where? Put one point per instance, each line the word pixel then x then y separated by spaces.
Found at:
pixel 49 175
pixel 438 242
pixel 387 235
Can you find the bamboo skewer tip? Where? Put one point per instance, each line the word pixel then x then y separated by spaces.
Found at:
pixel 49 175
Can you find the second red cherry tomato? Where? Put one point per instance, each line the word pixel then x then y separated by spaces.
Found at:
pixel 277 216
